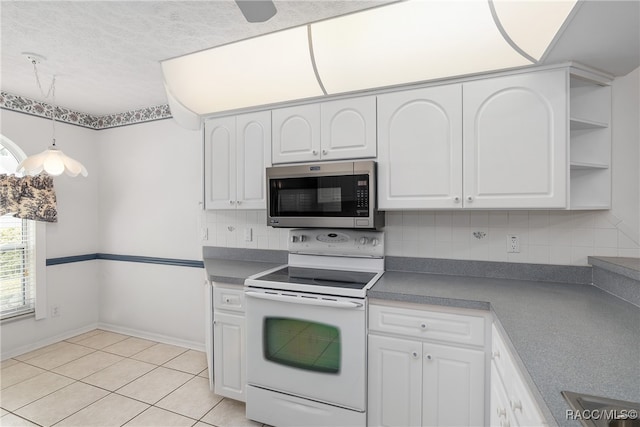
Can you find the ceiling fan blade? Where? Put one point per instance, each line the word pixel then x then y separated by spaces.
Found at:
pixel 257 10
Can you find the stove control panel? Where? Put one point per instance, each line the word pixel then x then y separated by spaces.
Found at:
pixel 337 242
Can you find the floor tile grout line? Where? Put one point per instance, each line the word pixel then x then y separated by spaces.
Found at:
pixel 110 392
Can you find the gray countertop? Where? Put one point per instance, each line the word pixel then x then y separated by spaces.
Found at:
pixel 566 336
pixel 234 271
pixel 629 267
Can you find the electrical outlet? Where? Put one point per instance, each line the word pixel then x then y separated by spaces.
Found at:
pixel 55 311
pixel 248 234
pixel 513 243
pixel 204 233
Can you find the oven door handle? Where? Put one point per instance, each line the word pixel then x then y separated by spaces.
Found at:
pixel 303 300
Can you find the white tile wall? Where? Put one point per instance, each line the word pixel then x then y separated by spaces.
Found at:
pixel 546 237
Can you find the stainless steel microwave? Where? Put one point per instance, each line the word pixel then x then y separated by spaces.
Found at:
pixel 329 195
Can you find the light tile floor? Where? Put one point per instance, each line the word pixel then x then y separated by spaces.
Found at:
pixel 102 378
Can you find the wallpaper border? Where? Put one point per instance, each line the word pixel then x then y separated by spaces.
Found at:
pixel 21 104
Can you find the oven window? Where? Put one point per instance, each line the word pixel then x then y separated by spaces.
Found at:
pixel 301 344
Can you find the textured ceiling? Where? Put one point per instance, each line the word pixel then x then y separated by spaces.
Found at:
pixel 106 53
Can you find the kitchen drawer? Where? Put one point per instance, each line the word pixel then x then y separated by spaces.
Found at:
pixel 427 324
pixel 228 298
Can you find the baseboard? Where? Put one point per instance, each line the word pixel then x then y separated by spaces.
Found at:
pixel 47 341
pixel 165 339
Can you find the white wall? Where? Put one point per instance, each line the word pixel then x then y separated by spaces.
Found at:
pixel 149 205
pixel 626 153
pixel 73 287
pixel 547 237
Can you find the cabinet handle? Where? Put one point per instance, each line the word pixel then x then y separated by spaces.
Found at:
pixel 501 412
pixel 231 202
pixel 505 423
pixel 314 152
pixel 423 326
pixel 414 354
pixel 469 199
pixel 325 152
pixel 428 357
pixel 239 202
pixel 456 199
pixel 495 355
pixel 516 405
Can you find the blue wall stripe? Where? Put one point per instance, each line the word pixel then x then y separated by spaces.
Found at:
pixel 128 258
pixel 69 259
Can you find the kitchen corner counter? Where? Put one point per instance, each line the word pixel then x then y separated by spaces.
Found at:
pixel 566 336
pixel 234 265
pixel 234 271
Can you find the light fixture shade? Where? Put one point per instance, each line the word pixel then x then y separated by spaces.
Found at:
pixel 402 42
pixel 52 161
pixel 532 24
pixel 263 70
pixel 409 42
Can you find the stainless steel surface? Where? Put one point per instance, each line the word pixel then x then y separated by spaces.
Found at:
pixel 596 411
pixel 374 220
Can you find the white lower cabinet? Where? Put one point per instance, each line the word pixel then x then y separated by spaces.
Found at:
pixel 414 380
pixel 229 355
pixel 512 402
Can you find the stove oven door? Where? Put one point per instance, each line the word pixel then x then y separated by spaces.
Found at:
pixel 310 346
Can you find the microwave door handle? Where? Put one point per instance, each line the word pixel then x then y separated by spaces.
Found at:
pixel 303 300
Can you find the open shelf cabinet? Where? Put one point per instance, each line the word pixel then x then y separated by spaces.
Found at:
pixel 590 141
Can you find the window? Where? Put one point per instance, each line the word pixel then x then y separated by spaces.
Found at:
pixel 306 345
pixel 20 264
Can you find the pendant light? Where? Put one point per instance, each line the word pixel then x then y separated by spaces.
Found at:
pixel 52 161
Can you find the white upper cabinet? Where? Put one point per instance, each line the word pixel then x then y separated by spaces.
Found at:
pixel 237 151
pixel 336 130
pixel 496 143
pixel 420 148
pixel 296 134
pixel 515 141
pixel 253 154
pixel 348 129
pixel 220 161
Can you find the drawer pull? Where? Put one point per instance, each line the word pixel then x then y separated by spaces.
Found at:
pixel 423 326
pixel 501 412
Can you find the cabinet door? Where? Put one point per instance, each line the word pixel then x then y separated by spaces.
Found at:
pixel 515 135
pixel 420 149
pixel 229 356
pixel 253 155
pixel 453 386
pixel 220 163
pixel 296 134
pixel 500 413
pixel 394 382
pixel 348 129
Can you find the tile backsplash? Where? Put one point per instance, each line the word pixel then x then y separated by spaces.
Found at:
pixel 546 237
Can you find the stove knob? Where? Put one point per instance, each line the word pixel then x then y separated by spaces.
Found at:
pixel 303 238
pixel 364 240
pixel 294 239
pixel 375 242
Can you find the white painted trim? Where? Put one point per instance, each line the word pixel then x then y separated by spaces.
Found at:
pixel 47 341
pixel 165 339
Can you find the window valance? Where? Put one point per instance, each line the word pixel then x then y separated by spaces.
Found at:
pixel 28 197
